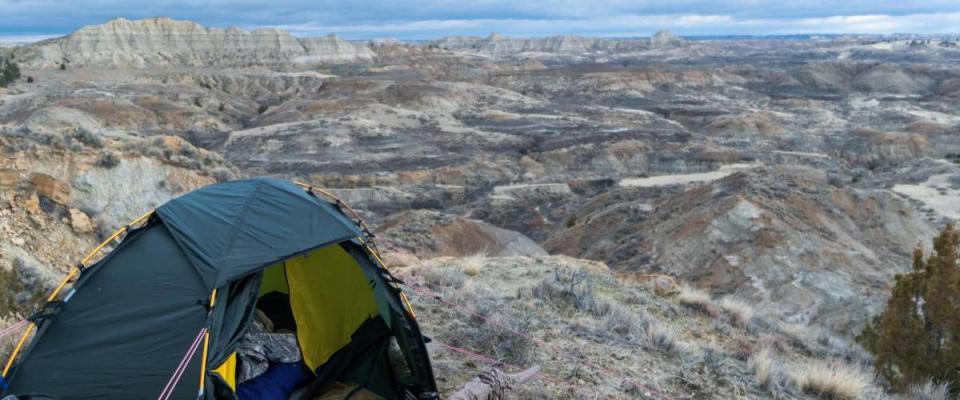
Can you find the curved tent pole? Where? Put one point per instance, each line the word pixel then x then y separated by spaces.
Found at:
pixel 351 213
pixel 367 243
pixel 403 296
pixel 73 273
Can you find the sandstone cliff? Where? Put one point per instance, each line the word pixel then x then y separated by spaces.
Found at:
pixel 165 42
pixel 505 46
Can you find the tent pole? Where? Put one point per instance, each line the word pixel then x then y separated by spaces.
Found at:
pixel 352 213
pixel 56 292
pixel 115 235
pixel 206 345
pixel 368 244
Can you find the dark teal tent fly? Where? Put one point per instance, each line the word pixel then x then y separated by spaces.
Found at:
pixel 204 260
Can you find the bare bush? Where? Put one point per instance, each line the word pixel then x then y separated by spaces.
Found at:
pixel 492 327
pixel 498 335
pixel 88 137
pixel 22 289
pixel 567 288
pixel 928 390
pixel 619 323
pixel 11 285
pixel 447 277
pixel 662 338
pixel 836 347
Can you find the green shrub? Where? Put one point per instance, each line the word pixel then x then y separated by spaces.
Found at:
pixel 11 287
pixel 16 294
pixel 223 174
pixel 9 71
pixel 917 337
pixel 109 159
pixel 88 137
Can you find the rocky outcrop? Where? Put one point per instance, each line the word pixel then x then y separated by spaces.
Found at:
pixel 783 238
pixel 428 234
pixel 59 198
pixel 333 48
pixel 501 45
pixel 168 42
pixel 665 39
pixel 872 149
pixel 566 45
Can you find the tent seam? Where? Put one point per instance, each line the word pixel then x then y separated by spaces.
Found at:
pixel 235 229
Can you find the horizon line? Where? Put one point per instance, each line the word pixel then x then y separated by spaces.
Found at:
pixel 30 38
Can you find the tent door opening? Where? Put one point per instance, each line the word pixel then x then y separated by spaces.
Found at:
pixel 341 317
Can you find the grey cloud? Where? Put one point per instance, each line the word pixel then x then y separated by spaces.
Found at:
pixel 417 18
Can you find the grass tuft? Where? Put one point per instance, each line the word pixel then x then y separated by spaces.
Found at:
pixel 446 277
pixel 568 289
pixel 471 265
pixel 696 299
pixel 740 312
pixel 929 390
pixel 831 379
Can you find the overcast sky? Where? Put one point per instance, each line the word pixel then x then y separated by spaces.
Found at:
pixel 419 19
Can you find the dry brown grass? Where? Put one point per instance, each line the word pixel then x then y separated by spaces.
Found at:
pixel 662 337
pixel 446 277
pixel 740 312
pixel 696 299
pixel 471 265
pixel 762 364
pixel 831 379
pixel 929 390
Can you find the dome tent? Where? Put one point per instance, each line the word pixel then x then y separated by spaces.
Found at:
pixel 201 261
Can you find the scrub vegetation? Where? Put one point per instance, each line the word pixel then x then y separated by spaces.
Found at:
pixel 599 336
pixel 9 71
pixel 916 339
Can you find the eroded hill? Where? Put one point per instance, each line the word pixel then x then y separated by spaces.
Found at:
pixel 792 175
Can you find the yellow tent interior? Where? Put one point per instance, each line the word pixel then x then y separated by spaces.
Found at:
pixel 330 298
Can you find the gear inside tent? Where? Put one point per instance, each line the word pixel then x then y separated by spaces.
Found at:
pixel 180 291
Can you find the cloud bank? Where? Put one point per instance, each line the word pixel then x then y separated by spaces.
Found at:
pixel 417 19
